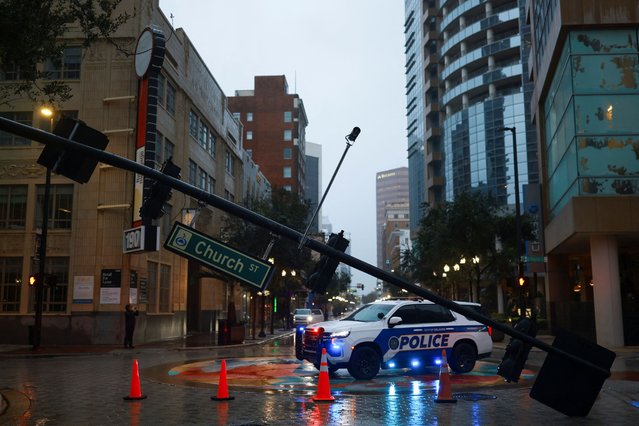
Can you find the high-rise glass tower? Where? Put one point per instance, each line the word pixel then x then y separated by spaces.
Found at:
pixel 473 87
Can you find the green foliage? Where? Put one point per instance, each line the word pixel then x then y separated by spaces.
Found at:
pixel 286 208
pixel 30 32
pixel 471 225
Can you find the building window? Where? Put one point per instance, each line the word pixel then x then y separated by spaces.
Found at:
pixel 288 135
pixel 204 178
pixel 163 149
pixel 288 153
pixel 161 90
pixel 55 297
pixel 288 188
pixel 9 139
pixel 211 185
pixel 66 67
pixel 249 116
pixel 193 124
pixel 11 72
pixel 204 135
pixel 210 145
pixel 165 289
pixel 249 135
pixel 287 172
pixel 192 172
pixel 166 94
pixel 60 206
pixel 13 206
pixel 170 97
pixel 229 163
pixel 168 149
pixel 237 116
pixel 288 116
pixel 10 280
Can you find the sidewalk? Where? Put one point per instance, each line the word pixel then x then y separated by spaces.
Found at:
pixel 192 341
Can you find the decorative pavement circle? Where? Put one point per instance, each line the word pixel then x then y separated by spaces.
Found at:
pixel 290 375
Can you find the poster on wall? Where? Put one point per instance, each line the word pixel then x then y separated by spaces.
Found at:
pixel 83 289
pixel 142 293
pixel 133 288
pixel 110 286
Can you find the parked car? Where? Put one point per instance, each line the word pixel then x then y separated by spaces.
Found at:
pixel 397 334
pixel 307 316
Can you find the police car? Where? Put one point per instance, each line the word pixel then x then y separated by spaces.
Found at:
pixel 397 334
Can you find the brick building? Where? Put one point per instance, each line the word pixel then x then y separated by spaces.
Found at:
pixel 274 130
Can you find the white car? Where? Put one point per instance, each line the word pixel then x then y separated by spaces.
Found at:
pixel 397 334
pixel 305 317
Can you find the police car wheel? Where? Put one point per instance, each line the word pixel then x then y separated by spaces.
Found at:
pixel 364 364
pixel 463 358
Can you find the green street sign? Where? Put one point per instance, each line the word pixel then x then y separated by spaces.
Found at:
pixel 189 243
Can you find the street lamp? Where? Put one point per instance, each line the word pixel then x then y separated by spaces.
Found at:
pixel 518 252
pixel 350 140
pixel 42 252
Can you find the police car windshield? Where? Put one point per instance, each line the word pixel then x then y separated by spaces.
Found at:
pixel 370 313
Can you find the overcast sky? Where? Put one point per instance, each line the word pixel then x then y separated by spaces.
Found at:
pixel 345 59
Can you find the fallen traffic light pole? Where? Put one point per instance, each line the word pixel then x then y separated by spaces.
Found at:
pixel 559 399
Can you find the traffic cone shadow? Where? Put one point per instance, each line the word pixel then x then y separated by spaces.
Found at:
pixel 135 392
pixel 323 393
pixel 222 387
pixel 444 391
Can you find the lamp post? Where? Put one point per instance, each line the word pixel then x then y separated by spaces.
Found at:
pixel 518 252
pixel 42 251
pixel 350 140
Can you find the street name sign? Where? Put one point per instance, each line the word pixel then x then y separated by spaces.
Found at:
pixel 187 242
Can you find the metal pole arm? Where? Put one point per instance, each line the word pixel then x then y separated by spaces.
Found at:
pixel 246 214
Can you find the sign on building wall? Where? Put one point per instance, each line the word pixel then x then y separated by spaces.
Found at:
pixel 110 286
pixel 535 246
pixel 83 289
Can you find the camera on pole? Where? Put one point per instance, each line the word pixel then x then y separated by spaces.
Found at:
pixel 322 275
pixel 160 193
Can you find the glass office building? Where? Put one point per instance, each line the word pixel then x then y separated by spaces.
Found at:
pixel 585 60
pixel 481 72
pixel 414 107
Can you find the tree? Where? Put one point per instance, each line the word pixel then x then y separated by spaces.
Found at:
pixel 286 208
pixel 30 34
pixel 454 234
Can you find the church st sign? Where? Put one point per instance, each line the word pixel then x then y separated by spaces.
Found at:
pixel 187 242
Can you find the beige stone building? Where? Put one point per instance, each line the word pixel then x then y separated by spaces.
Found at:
pixel 85 237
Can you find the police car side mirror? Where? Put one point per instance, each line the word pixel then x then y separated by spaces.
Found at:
pixel 394 321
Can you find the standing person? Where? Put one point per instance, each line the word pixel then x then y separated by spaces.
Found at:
pixel 129 325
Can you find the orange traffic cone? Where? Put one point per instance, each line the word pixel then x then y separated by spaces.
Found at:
pixel 323 387
pixel 444 392
pixel 222 387
pixel 136 392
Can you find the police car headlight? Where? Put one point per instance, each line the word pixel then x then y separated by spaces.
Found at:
pixel 340 334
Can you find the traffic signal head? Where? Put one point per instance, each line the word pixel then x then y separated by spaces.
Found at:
pixel 74 165
pixel 322 275
pixel 517 351
pixel 33 279
pixel 160 193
